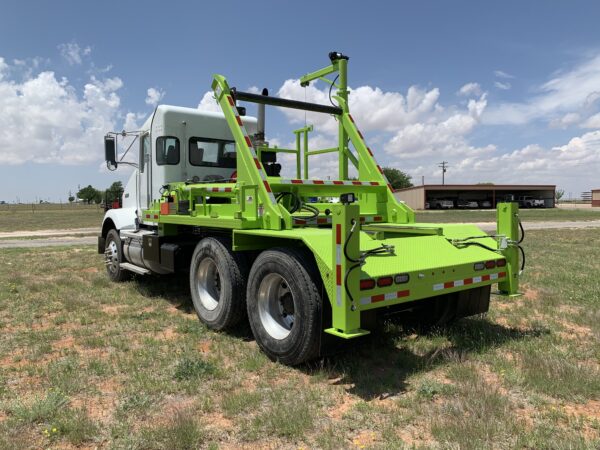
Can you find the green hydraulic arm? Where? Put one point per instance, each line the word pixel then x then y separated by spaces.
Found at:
pixel 249 168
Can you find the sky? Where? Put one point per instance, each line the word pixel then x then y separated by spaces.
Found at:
pixel 505 92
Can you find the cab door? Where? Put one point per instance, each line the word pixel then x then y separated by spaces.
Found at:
pixel 145 172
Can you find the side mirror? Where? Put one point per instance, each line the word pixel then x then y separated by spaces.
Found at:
pixel 110 150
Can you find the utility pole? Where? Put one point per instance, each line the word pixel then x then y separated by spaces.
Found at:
pixel 443 165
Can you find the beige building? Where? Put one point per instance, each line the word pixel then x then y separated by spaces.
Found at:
pixel 596 197
pixel 435 196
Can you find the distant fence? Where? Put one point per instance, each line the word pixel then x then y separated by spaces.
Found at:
pixel 40 207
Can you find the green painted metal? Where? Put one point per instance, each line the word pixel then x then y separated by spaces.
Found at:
pixel 432 257
pixel 507 215
pixel 346 271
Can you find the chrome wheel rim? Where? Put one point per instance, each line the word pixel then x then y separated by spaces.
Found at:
pixel 112 256
pixel 276 306
pixel 208 284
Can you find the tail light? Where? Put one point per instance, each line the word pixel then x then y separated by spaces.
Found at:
pixel 369 283
pixel 490 264
pixel 479 266
pixel 501 263
pixel 385 281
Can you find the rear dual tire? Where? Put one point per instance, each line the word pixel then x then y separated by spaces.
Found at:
pixel 284 305
pixel 217 282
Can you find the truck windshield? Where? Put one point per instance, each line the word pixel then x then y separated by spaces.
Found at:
pixel 212 152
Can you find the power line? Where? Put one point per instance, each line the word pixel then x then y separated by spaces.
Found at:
pixel 443 165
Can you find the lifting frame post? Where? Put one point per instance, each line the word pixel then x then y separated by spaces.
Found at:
pixel 346 273
pixel 508 225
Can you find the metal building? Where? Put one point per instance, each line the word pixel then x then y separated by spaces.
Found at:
pixel 596 197
pixel 477 196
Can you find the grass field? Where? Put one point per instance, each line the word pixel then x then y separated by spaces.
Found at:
pixel 42 217
pixel 86 363
pixel 49 217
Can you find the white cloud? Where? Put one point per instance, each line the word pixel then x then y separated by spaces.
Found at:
pixel 574 164
pixel 502 85
pixel 379 110
pixel 470 89
pixel 565 121
pixel 46 120
pixel 502 74
pixel 592 122
pixel 154 96
pixel 73 53
pixel 208 102
pixel 571 91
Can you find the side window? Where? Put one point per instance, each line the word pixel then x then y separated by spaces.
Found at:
pixel 144 151
pixel 212 153
pixel 167 150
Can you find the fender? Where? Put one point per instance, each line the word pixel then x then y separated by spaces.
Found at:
pixel 120 219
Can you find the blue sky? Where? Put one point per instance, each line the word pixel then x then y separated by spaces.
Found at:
pixel 505 91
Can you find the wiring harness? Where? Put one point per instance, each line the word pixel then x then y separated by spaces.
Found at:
pixel 298 205
pixel 503 242
pixel 360 261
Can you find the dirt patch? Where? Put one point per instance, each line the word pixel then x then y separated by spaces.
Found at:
pixel 574 331
pixel 530 293
pixel 111 310
pixel 364 439
pixel 63 343
pixel 100 407
pixel 168 334
pixel 413 436
pixel 491 379
pixel 590 409
pixel 218 422
pixel 341 407
pixel 204 346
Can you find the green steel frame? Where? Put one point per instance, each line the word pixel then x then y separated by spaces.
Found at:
pixel 436 258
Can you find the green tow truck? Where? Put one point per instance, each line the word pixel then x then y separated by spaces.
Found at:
pixel 302 258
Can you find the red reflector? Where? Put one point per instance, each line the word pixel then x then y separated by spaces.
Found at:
pixel 501 263
pixel 367 284
pixel 385 281
pixel 490 264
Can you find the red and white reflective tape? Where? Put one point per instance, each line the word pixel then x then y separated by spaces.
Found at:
pixel 259 166
pixel 330 182
pixel 468 281
pixel 216 189
pixel 315 221
pixel 382 297
pixel 338 264
pixel 369 219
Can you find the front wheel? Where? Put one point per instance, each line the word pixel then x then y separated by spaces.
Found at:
pixel 284 305
pixel 113 252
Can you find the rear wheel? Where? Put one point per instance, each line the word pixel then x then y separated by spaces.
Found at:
pixel 218 283
pixel 113 252
pixel 284 305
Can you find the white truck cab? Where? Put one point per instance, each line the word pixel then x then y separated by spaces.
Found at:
pixel 175 144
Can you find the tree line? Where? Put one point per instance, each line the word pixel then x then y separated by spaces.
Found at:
pixel 90 194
